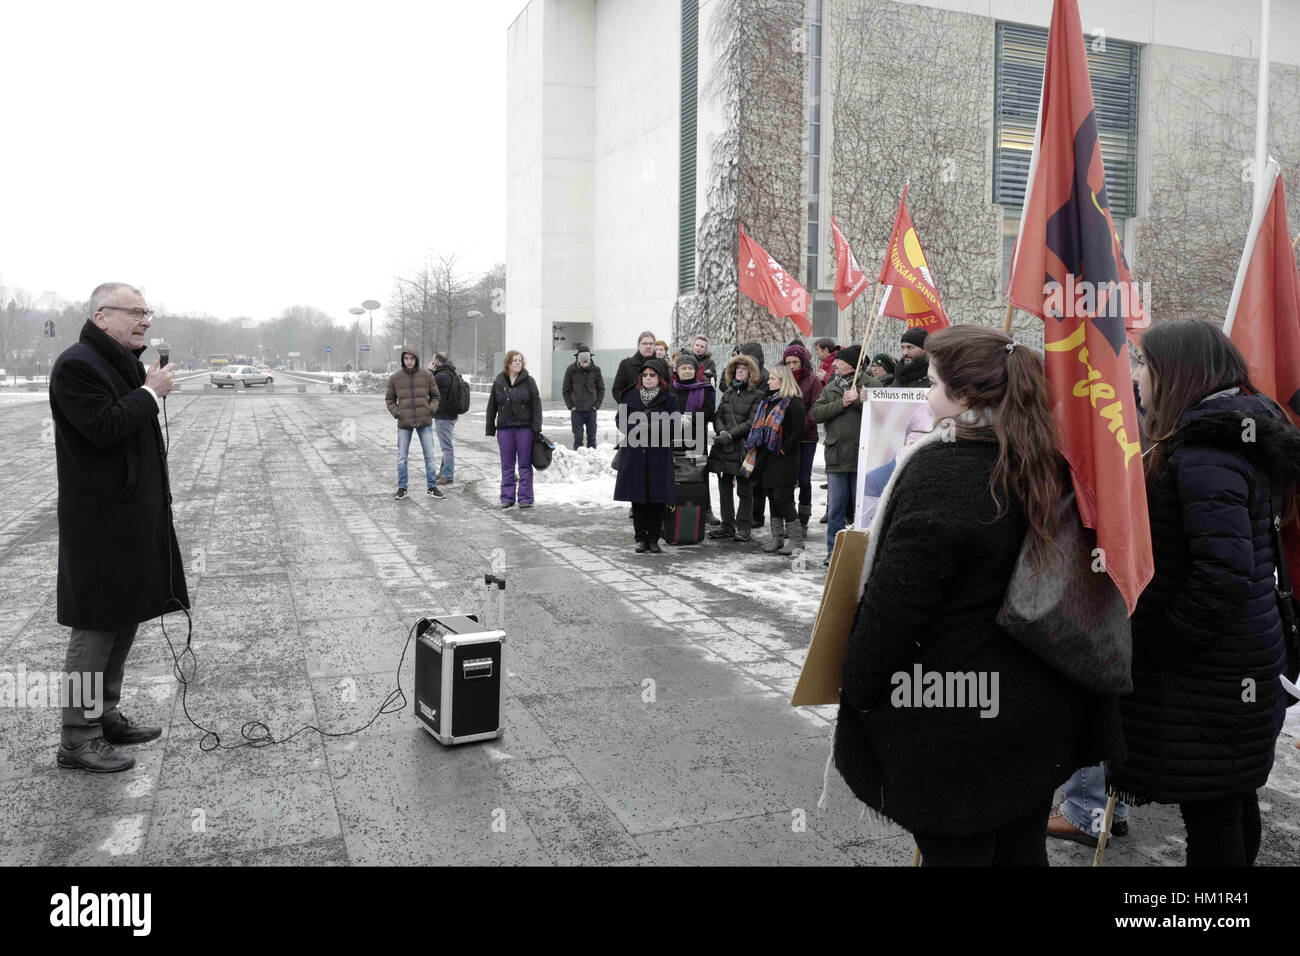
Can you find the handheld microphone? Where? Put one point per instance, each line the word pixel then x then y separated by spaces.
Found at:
pixel 164 353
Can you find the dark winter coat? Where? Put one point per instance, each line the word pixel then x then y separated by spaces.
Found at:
pixel 708 367
pixel 412 394
pixel 755 351
pixel 780 469
pixel 734 416
pixel 939 576
pixel 584 388
pixel 810 389
pixel 645 474
pixel 700 423
pixel 1208 621
pixel 514 406
pixel 119 562
pixel 628 372
pixel 914 374
pixel 843 425
pixel 442 377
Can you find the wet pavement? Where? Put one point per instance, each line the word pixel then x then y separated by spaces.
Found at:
pixel 645 705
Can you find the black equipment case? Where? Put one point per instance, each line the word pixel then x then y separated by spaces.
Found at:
pixel 459 663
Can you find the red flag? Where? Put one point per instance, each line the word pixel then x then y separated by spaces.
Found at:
pixel 850 280
pixel 1264 315
pixel 1069 270
pixel 764 281
pixel 1264 312
pixel 912 294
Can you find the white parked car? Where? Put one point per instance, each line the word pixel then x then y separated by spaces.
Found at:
pixel 245 375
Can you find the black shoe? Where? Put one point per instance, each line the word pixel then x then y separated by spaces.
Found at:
pixel 711 520
pixel 827 562
pixel 823 486
pixel 1119 828
pixel 525 504
pixel 401 494
pixel 742 534
pixel 825 518
pixel 655 549
pixel 723 532
pixel 507 504
pixel 95 756
pixel 127 731
pixel 642 547
pixel 434 492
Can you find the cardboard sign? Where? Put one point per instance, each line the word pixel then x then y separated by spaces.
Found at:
pixel 819 681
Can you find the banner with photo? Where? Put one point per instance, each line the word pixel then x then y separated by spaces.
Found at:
pixel 892 419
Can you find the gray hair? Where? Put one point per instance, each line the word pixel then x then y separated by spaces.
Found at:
pixel 104 291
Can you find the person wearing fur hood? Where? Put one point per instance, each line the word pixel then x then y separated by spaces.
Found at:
pixel 1208 646
pixel 741 394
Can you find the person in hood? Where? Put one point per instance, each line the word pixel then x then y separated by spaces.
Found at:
pixel 444 417
pixel 629 369
pixel 119 563
pixel 824 349
pixel 708 367
pixel 912 369
pixel 1208 648
pixel 645 467
pixel 799 362
pixel 736 409
pixel 413 399
pixel 584 391
pixel 514 415
pixel 882 368
pixel 839 411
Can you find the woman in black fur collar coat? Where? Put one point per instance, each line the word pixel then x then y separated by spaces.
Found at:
pixel 1206 708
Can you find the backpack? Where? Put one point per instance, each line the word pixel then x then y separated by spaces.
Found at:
pixel 458 400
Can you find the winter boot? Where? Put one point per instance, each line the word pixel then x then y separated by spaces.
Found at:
pixel 795 541
pixel 742 534
pixel 777 536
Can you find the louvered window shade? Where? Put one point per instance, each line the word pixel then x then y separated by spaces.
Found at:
pixel 686 173
pixel 1021 55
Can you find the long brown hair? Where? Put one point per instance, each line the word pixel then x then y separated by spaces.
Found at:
pixel 510 357
pixel 976 367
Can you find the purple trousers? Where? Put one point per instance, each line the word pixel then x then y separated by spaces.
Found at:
pixel 516 445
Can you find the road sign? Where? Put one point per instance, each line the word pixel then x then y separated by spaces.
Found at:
pixel 363 348
pixel 328 349
pixel 295 355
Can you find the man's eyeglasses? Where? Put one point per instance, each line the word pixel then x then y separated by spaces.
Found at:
pixel 134 313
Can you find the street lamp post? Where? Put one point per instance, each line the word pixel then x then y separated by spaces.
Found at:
pixel 356 337
pixel 475 315
pixel 370 305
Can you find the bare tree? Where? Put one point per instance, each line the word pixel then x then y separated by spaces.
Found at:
pixel 16 326
pixel 452 293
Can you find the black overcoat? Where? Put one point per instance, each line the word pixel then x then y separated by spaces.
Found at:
pixel 119 563
pixel 780 469
pixel 645 474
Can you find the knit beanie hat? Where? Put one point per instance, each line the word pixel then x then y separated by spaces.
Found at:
pixel 686 358
pixel 885 361
pixel 799 352
pixel 915 337
pixel 849 354
pixel 658 365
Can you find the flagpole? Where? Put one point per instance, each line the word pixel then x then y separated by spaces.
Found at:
pixel 1261 103
pixel 1296 243
pixel 1006 320
pixel 866 337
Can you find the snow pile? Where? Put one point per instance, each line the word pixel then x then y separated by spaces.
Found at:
pixel 584 464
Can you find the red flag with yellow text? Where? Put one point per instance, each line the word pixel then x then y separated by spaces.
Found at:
pixel 764 280
pixel 1069 270
pixel 912 294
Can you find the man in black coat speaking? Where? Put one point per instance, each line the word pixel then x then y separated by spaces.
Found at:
pixel 119 563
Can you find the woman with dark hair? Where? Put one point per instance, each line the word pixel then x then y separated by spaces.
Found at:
pixel 772 457
pixel 645 467
pixel 926 662
pixel 741 393
pixel 514 415
pixel 824 349
pixel 1207 706
pixel 799 362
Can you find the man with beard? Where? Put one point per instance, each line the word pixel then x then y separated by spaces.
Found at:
pixel 913 368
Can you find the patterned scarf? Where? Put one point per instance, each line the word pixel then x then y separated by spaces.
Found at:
pixel 766 430
pixel 648 395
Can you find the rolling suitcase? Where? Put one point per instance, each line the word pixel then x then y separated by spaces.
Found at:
pixel 459 663
pixel 684 521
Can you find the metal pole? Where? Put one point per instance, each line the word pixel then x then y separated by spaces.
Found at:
pixel 475 372
pixel 370 358
pixel 1261 106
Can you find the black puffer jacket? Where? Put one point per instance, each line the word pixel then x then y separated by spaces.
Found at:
pixel 735 414
pixel 514 406
pixel 1208 621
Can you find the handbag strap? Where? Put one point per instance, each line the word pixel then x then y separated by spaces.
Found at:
pixel 1283 585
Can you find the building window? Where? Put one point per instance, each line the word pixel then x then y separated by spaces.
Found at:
pixel 686 173
pixel 814 142
pixel 1020 58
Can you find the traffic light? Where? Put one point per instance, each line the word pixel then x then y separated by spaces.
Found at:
pixel 49 328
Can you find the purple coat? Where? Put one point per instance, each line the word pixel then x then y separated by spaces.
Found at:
pixel 646 474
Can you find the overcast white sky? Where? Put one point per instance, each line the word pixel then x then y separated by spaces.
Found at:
pixel 239 157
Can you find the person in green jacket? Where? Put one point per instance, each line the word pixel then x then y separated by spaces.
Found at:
pixel 840 409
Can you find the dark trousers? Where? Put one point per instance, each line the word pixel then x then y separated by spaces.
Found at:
pixel 648 519
pixel 90 654
pixel 1222 832
pixel 730 518
pixel 581 420
pixel 782 502
pixel 807 452
pixel 1021 842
